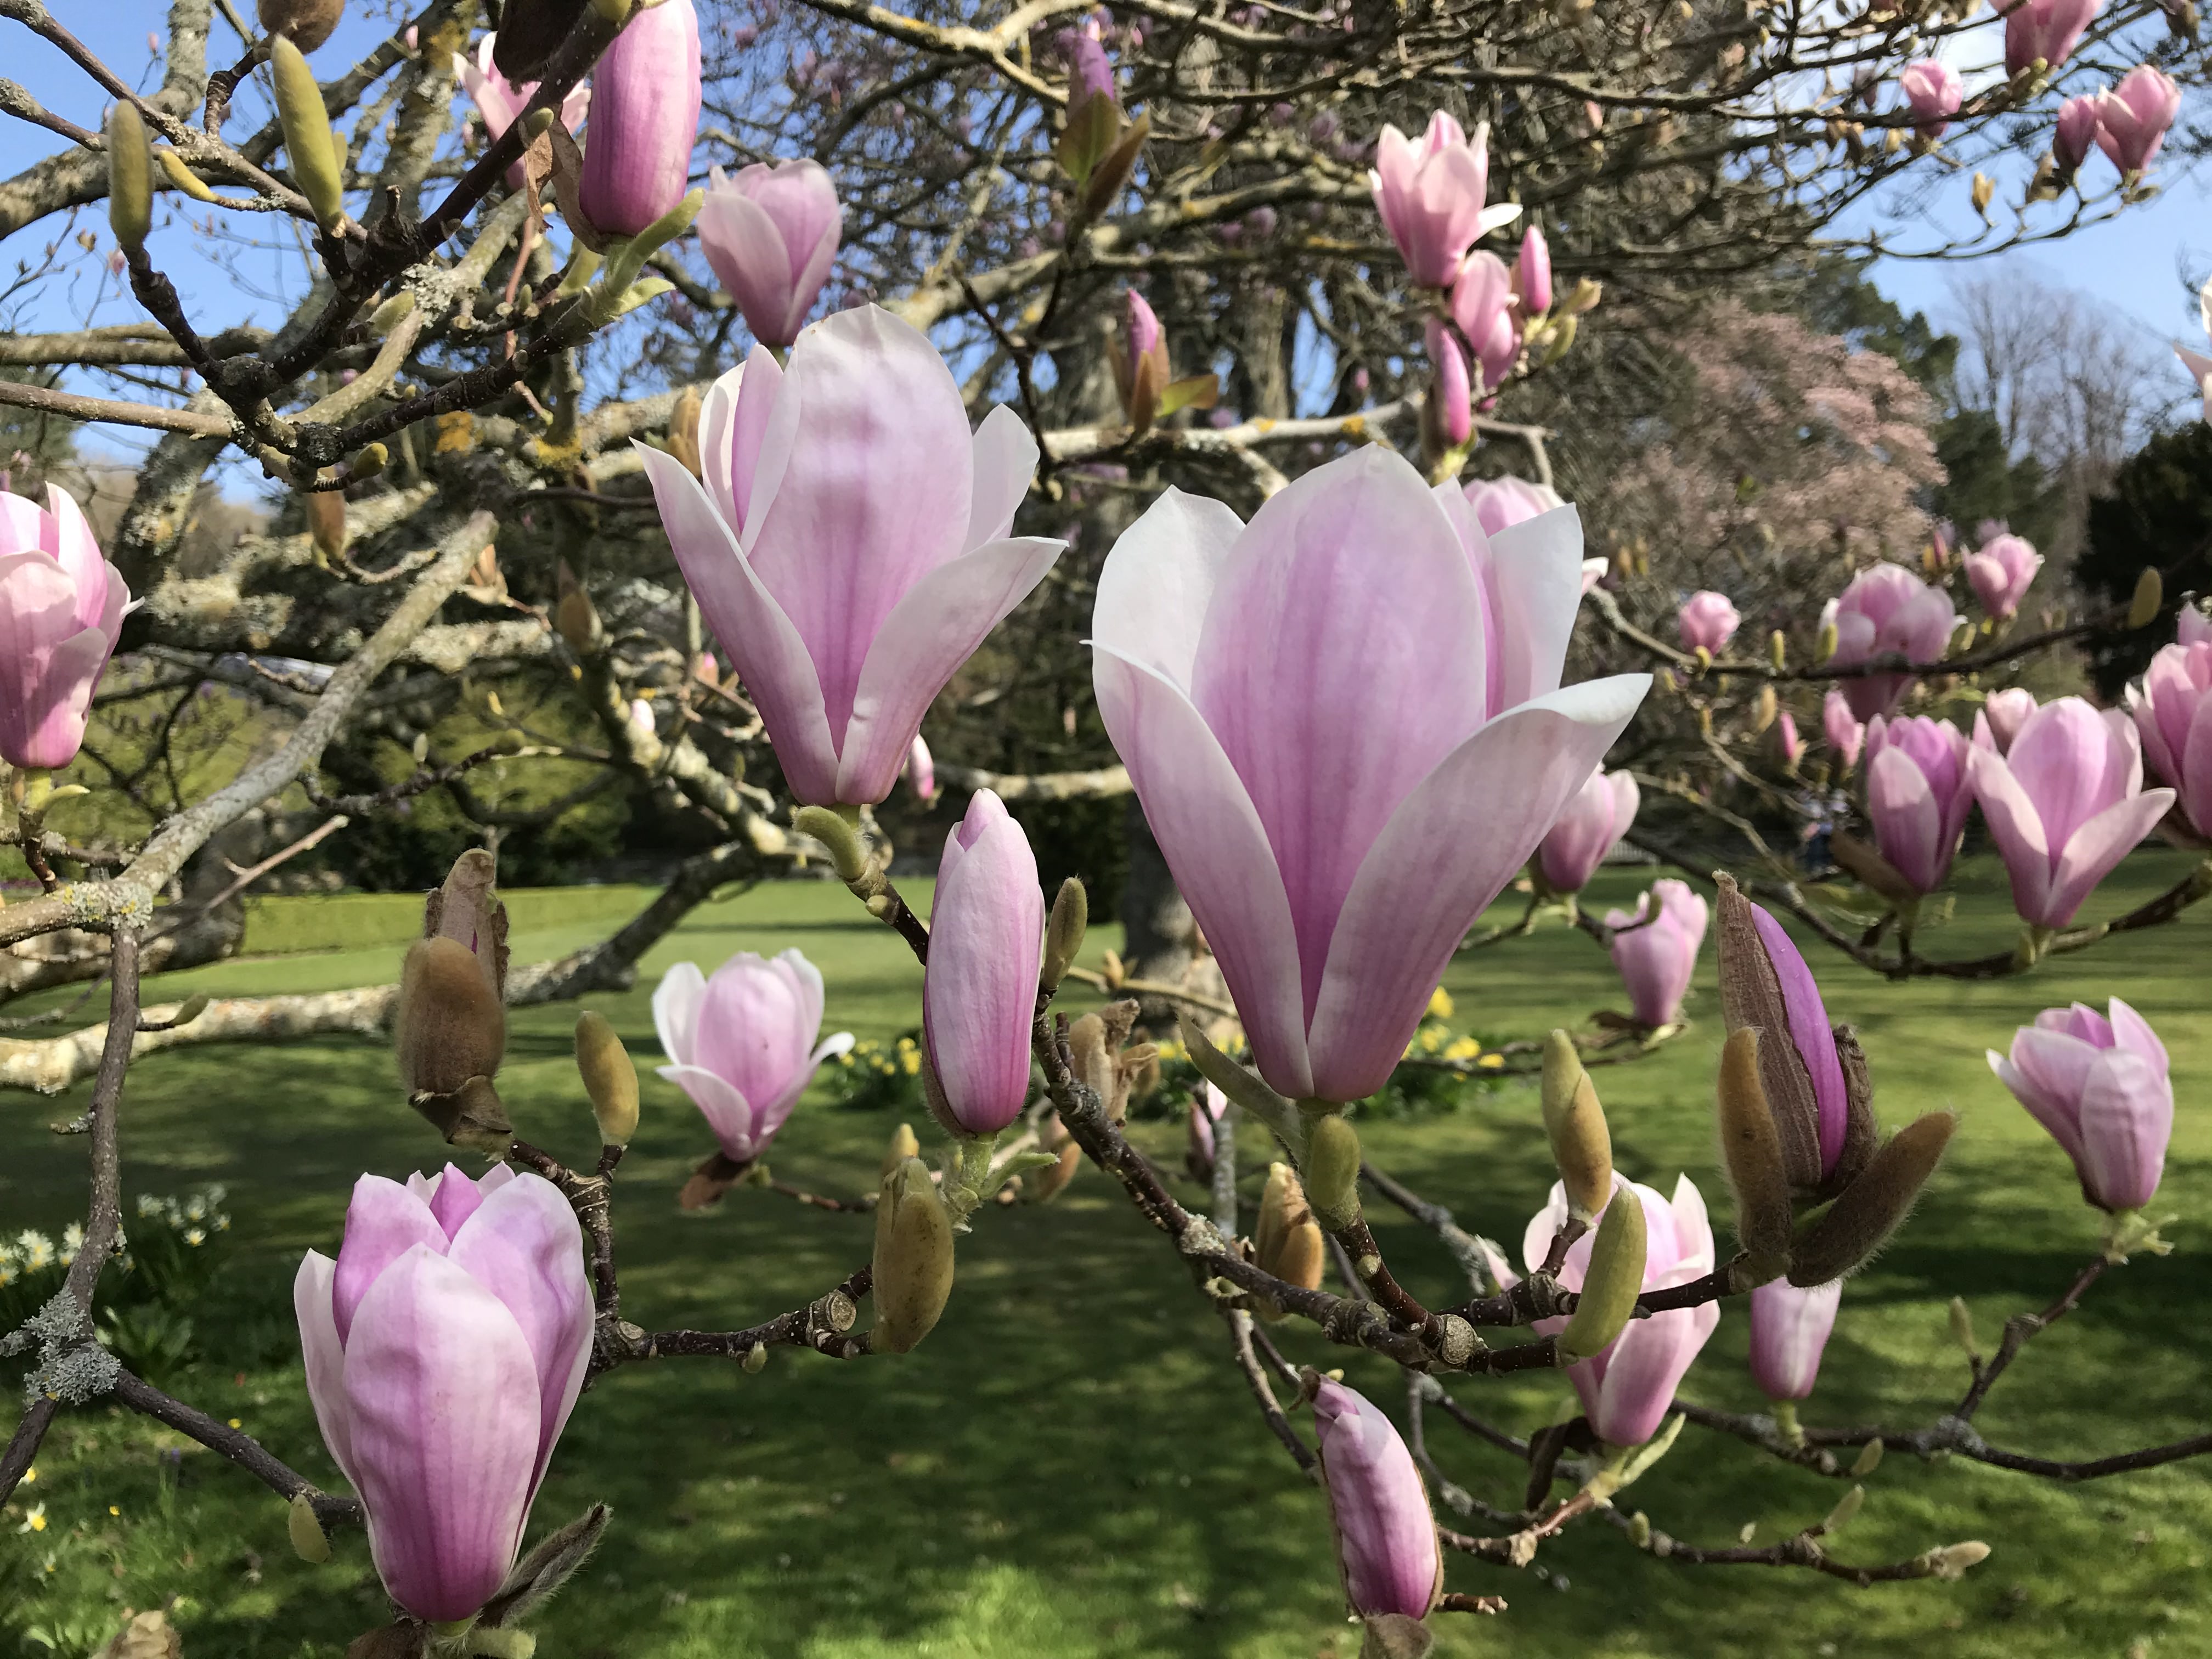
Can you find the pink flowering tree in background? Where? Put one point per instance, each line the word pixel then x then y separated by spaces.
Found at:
pixel 731 411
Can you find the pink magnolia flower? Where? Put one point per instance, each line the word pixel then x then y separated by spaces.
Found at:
pixel 1657 959
pixel 1482 305
pixel 742 1044
pixel 2132 119
pixel 1311 733
pixel 2065 804
pixel 850 543
pixel 770 234
pixel 1843 730
pixel 1386 1535
pixel 985 948
pixel 1789 747
pixel 499 100
pixel 1626 1390
pixel 1886 611
pixel 61 607
pixel 2004 712
pixel 1430 195
pixel 1533 274
pixel 2074 130
pixel 1918 794
pixel 2042 31
pixel 1598 815
pixel 1934 92
pixel 921 771
pixel 1812 1040
pixel 1707 621
pixel 2101 1088
pixel 444 1348
pixel 1790 1326
pixel 1455 396
pixel 2173 708
pixel 1501 503
pixel 2000 574
pixel 645 119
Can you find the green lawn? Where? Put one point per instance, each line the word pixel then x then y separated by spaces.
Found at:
pixel 1069 1465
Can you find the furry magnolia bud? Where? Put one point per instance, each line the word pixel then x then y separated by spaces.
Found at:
pixel 325 513
pixel 1064 931
pixel 307 23
pixel 1752 1149
pixel 1582 1147
pixel 309 148
pixel 608 1077
pixel 1842 1239
pixel 1287 1241
pixel 904 1146
pixel 1611 1284
pixel 684 430
pixel 575 618
pixel 130 177
pixel 913 1270
pixel 1332 1170
pixel 451 1022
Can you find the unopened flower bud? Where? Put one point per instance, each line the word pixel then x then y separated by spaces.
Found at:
pixel 369 461
pixel 848 855
pixel 1064 931
pixel 1825 646
pixel 1962 1326
pixel 609 1078
pixel 182 176
pixel 904 1146
pixel 1332 1170
pixel 1639 1530
pixel 1846 1509
pixel 2143 609
pixel 326 511
pixel 1582 1147
pixel 386 316
pixel 308 1542
pixel 1984 190
pixel 755 1359
pixel 451 1021
pixel 188 1010
pixel 130 177
pixel 1778 650
pixel 1842 1240
pixel 912 1268
pixel 575 619
pixel 1764 709
pixel 1287 1241
pixel 1610 1285
pixel 306 23
pixel 310 149
pixel 1751 1148
pixel 1868 1459
pixel 684 430
pixel 1952 1559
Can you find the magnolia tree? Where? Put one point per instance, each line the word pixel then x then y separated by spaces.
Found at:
pixel 1173 286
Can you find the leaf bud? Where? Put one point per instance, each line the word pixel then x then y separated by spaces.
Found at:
pixel 1962 1327
pixel 2149 596
pixel 1582 1147
pixel 608 1077
pixel 1751 1148
pixel 1063 934
pixel 1611 1286
pixel 1843 1239
pixel 913 1264
pixel 1332 1170
pixel 309 147
pixel 904 1146
pixel 308 1542
pixel 130 177
pixel 1868 1459
pixel 1778 650
pixel 1952 1559
pixel 182 176
pixel 1846 1508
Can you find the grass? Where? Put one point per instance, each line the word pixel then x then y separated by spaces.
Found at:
pixel 1069 1466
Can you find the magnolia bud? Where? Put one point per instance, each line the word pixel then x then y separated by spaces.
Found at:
pixel 1841 1515
pixel 684 430
pixel 904 1146
pixel 1287 1241
pixel 1332 1171
pixel 1869 1461
pixel 1841 1241
pixel 308 1542
pixel 326 511
pixel 1962 1327
pixel 1778 650
pixel 575 619
pixel 386 316
pixel 451 1024
pixel 913 1272
pixel 307 23
pixel 1824 647
pixel 1763 710
pixel 1610 1286
pixel 609 1078
pixel 130 177
pixel 1952 1559
pixel 755 1359
pixel 1751 1146
pixel 1063 934
pixel 1639 1530
pixel 2143 609
pixel 848 856
pixel 369 461
pixel 188 1010
pixel 1582 1147
pixel 312 152
pixel 1044 1184
pixel 182 176
pixel 1984 189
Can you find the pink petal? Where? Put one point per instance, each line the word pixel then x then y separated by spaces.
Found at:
pixel 1158 584
pixel 382 1222
pixel 2017 831
pixel 675 1004
pixel 2132 1031
pixel 2046 1073
pixel 1005 464
pixel 1908 823
pixel 2127 1118
pixel 1644 1368
pixel 1534 579
pixel 2099 846
pixel 453 1200
pixel 728 1112
pixel 325 1355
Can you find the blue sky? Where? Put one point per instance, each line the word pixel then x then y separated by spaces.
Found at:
pixel 2143 264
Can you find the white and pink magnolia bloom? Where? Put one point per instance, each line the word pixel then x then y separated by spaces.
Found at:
pixel 985 948
pixel 1311 733
pixel 2132 119
pixel 1707 622
pixel 2074 131
pixel 2003 713
pixel 1844 730
pixel 1626 1390
pixel 771 234
pixel 1599 814
pixel 850 545
pixel 1656 958
pixel 2065 804
pixel 1502 502
pixel 1431 196
pixel 1934 92
pixel 2100 1086
pixel 2042 31
pixel 1454 394
pixel 1918 794
pixel 2173 708
pixel 444 1348
pixel 1386 1535
pixel 2000 572
pixel 499 100
pixel 645 121
pixel 62 606
pixel 1482 304
pixel 1884 611
pixel 742 1044
pixel 1790 1326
